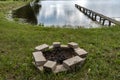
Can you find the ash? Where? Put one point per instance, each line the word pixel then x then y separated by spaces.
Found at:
pixel 59 54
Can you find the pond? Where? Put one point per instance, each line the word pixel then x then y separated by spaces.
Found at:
pixel 64 13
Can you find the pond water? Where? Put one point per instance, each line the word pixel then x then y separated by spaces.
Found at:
pixel 64 13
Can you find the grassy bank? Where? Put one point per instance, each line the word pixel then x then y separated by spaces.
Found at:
pixel 17 42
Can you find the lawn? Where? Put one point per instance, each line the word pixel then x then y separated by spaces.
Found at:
pixel 17 42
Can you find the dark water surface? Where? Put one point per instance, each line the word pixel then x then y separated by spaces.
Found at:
pixel 63 13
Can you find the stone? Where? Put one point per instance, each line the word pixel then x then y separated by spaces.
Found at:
pixel 39 58
pixel 73 45
pixel 38 67
pixel 50 66
pixel 56 44
pixel 50 47
pixel 81 52
pixel 60 68
pixel 71 63
pixel 42 47
pixel 64 46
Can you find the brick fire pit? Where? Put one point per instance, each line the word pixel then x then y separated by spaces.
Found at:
pixel 57 58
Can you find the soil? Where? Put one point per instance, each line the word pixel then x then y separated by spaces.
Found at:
pixel 59 54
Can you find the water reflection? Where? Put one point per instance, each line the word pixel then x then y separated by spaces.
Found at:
pixel 64 12
pixel 28 13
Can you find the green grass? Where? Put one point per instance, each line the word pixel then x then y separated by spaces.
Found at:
pixel 17 42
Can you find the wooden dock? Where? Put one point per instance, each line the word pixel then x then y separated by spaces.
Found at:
pixel 104 20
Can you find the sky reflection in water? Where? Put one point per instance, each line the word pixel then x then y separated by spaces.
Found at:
pixel 64 12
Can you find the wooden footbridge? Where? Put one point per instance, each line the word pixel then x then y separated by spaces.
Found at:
pixel 104 20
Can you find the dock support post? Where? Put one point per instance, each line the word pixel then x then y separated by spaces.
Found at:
pixel 109 23
pixel 80 9
pixel 100 19
pixel 103 23
pixel 85 12
pixel 95 16
pixel 89 14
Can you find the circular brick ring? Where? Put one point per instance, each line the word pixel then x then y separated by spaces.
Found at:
pixel 57 58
